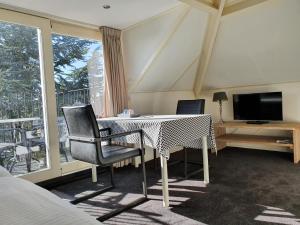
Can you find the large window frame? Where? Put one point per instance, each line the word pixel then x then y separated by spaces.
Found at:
pixel 83 33
pixel 46 28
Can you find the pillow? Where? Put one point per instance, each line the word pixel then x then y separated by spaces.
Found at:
pixel 4 172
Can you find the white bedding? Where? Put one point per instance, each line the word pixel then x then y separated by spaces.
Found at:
pixel 4 172
pixel 24 203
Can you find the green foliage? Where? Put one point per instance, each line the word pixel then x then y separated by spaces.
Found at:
pixel 20 67
pixel 67 50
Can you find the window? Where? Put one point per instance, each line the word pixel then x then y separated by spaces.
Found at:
pixel 44 66
pixel 22 137
pixel 78 75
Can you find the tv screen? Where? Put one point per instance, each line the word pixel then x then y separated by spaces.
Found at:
pixel 258 106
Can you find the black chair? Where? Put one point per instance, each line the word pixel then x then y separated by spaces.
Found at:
pixel 190 107
pixel 186 107
pixel 14 138
pixel 86 144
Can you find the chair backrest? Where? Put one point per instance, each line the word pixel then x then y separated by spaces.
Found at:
pixel 190 106
pixel 81 122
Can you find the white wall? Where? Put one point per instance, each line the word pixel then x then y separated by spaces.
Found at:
pixel 291 106
pixel 257 50
pixel 158 102
pixel 256 46
pixel 161 57
pixel 290 95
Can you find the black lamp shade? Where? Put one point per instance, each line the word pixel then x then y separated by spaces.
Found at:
pixel 220 96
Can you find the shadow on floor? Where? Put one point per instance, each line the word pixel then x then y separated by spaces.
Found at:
pixel 247 187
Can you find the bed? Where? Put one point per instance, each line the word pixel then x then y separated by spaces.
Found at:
pixel 24 203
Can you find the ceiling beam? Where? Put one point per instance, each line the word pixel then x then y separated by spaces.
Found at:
pixel 160 49
pixel 208 44
pixel 202 5
pixel 240 6
pixel 184 72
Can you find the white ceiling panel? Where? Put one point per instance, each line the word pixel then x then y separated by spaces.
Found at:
pixel 181 50
pixel 123 13
pixel 142 42
pixel 257 46
pixel 186 82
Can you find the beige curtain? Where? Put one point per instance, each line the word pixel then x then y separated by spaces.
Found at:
pixel 115 87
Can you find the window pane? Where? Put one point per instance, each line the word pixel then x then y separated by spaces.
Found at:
pixel 22 143
pixel 78 74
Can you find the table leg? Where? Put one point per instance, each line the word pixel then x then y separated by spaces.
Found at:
pixel 94 173
pixel 205 159
pixel 165 185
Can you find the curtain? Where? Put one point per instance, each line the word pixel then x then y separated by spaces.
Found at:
pixel 115 86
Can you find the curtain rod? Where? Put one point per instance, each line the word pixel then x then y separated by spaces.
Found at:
pixel 110 28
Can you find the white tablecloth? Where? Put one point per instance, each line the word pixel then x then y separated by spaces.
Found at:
pixel 165 132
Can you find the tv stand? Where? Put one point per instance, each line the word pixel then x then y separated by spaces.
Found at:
pixel 257 122
pixel 293 142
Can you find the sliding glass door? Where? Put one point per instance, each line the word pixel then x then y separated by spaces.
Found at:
pixel 78 75
pixel 22 131
pixel 27 141
pixel 43 67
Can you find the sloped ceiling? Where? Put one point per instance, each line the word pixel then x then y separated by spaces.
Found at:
pixel 259 45
pixel 162 54
pixel 123 13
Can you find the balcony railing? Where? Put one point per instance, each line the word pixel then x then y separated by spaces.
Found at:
pixel 21 115
pixel 27 105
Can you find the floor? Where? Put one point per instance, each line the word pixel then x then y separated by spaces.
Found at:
pixel 247 187
pixel 20 167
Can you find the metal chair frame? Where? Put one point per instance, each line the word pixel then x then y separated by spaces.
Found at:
pixel 108 138
pixel 185 160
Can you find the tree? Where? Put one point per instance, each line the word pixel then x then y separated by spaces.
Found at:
pixel 68 50
pixel 20 67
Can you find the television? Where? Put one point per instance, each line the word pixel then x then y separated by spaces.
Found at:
pixel 258 106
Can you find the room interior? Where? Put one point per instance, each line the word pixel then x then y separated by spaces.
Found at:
pixel 70 68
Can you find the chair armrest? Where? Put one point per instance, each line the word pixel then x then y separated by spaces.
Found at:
pixel 108 130
pixel 112 136
pixel 109 137
pixel 105 129
pixel 121 134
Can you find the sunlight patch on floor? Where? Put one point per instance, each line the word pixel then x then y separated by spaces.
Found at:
pixel 278 216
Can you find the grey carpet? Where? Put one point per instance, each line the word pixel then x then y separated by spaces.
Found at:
pixel 247 187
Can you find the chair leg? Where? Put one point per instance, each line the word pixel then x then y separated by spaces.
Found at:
pixel 154 158
pixel 96 193
pixel 144 174
pixel 63 151
pixel 185 163
pixel 11 163
pixel 134 203
pixel 28 158
pixel 112 182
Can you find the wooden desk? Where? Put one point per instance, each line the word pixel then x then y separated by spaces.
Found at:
pixel 223 138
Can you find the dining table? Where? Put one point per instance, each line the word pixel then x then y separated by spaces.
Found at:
pixel 164 132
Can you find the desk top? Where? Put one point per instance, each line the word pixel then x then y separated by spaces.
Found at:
pixel 152 117
pixel 270 126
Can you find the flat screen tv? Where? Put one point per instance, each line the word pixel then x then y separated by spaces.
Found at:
pixel 258 106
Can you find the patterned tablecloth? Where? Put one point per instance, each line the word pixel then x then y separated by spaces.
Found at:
pixel 165 132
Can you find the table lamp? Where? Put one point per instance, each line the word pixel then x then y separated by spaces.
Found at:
pixel 219 97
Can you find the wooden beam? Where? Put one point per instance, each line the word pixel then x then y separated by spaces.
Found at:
pixel 202 5
pixel 159 50
pixel 184 72
pixel 240 6
pixel 208 44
